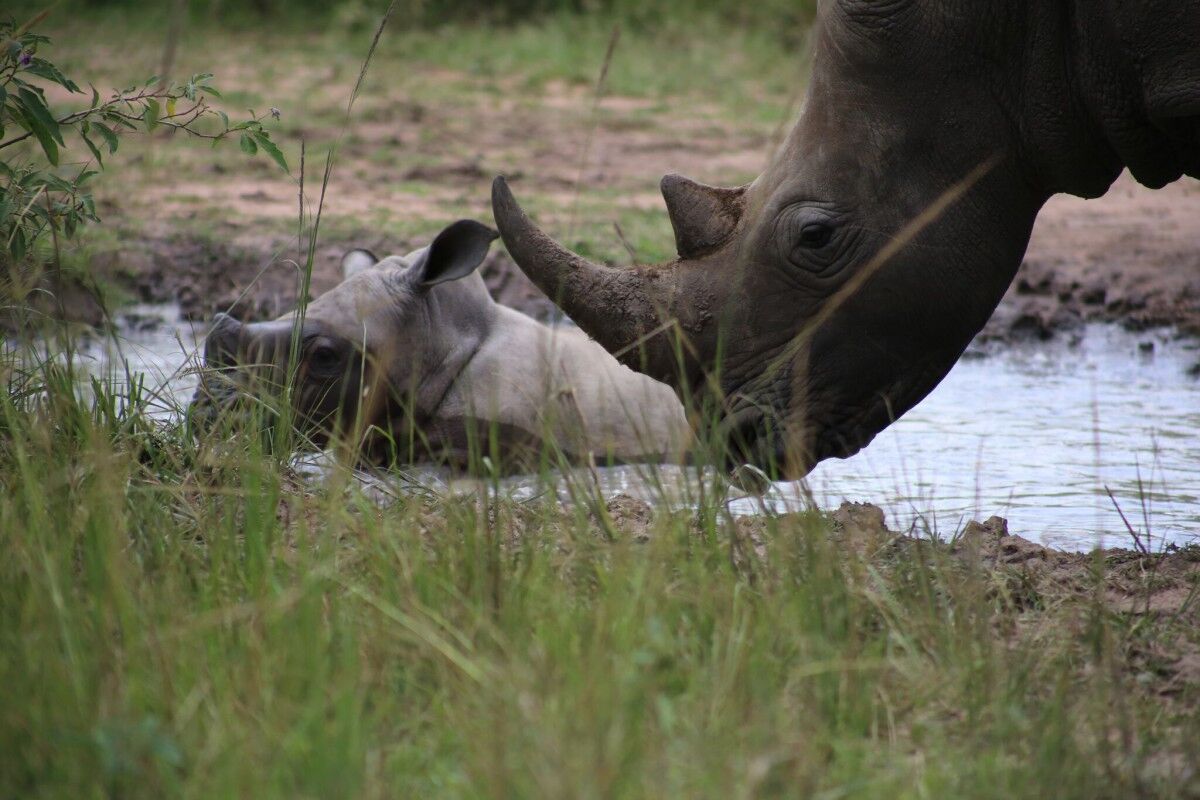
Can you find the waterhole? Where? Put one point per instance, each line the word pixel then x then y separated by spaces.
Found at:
pixel 1040 433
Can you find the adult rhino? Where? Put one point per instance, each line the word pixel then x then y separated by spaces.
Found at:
pixel 409 359
pixel 829 296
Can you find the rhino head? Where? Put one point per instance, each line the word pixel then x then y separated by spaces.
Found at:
pixel 824 299
pixel 374 355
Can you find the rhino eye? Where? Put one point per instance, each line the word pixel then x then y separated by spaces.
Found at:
pixel 815 235
pixel 809 236
pixel 324 359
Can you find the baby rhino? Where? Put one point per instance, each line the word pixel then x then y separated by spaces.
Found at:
pixel 409 359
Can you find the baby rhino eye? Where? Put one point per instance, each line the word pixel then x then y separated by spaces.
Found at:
pixel 323 358
pixel 814 235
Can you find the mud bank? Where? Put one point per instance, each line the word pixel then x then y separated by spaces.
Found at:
pixel 1158 580
pixel 257 278
pixel 1158 584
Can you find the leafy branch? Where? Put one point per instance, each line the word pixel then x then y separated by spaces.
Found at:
pixel 35 199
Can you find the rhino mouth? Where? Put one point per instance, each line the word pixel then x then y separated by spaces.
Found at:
pixel 215 397
pixel 224 399
pixel 789 440
pixel 236 400
pixel 747 433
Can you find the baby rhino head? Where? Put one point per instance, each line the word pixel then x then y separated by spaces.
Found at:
pixel 374 355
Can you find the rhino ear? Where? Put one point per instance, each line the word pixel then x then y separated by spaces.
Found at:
pixel 703 217
pixel 356 261
pixel 455 253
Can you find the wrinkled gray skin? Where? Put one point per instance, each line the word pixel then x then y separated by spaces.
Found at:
pixel 972 114
pixel 415 346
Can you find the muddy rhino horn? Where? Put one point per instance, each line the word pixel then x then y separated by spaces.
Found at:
pixel 704 217
pixel 622 309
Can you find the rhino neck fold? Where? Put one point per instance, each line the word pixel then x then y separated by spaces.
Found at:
pixel 1134 75
pixel 441 386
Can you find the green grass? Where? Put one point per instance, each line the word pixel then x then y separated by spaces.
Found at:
pixel 697 55
pixel 190 622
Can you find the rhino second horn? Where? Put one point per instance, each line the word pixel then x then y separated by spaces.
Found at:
pixel 704 217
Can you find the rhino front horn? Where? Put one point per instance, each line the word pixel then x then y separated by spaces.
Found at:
pixel 622 309
pixel 704 217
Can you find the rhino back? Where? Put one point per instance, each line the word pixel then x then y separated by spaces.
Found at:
pixel 555 381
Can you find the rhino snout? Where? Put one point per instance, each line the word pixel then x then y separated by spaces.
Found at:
pixel 221 344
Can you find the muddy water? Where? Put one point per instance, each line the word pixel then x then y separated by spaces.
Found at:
pixel 155 341
pixel 1033 432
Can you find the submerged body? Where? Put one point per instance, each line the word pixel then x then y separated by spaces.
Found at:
pixel 538 387
pixel 826 298
pixel 410 359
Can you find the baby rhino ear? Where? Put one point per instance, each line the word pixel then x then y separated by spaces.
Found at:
pixel 356 261
pixel 455 253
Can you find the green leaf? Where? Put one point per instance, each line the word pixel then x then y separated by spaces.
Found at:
pixel 3 95
pixel 37 211
pixel 209 90
pixel 34 126
pixel 106 133
pixel 56 183
pixel 95 151
pixel 247 144
pixel 30 179
pixel 44 69
pixel 17 248
pixel 269 147
pixel 224 118
pixel 95 97
pixel 118 121
pixel 36 107
pixel 151 114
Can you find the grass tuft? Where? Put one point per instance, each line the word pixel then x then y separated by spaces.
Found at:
pixel 183 619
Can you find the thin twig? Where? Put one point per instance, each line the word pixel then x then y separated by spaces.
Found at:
pixel 629 248
pixel 1137 540
pixel 601 85
pixel 171 45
